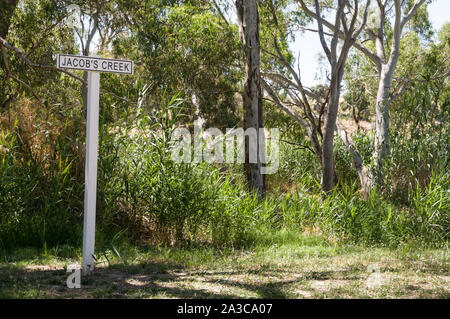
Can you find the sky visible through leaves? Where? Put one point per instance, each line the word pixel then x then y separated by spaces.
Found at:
pixel 309 43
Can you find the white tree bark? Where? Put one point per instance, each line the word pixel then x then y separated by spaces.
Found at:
pixel 337 63
pixel 386 74
pixel 385 69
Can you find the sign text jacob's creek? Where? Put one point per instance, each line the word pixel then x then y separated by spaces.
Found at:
pixel 66 61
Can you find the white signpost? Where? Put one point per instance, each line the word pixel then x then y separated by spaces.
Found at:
pixel 94 65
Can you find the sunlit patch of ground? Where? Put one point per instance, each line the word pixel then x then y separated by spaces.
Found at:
pixel 301 269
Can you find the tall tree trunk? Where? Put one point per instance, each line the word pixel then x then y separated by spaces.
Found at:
pixel 337 63
pixel 386 73
pixel 328 176
pixel 248 20
pixel 381 141
pixel 6 11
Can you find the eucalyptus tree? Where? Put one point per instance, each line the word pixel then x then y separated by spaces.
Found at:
pixel 187 48
pixel 317 114
pixel 384 54
pixel 6 11
pixel 248 21
pixel 35 31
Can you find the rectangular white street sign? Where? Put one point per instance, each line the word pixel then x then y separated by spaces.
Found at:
pixel 94 65
pixel 89 63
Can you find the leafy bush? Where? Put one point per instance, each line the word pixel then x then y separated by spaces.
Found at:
pixel 347 216
pixel 298 166
pixel 40 204
pixel 140 189
pixel 149 199
pixel 160 201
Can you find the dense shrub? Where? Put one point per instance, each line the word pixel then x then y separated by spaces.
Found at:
pixel 152 200
pixel 41 202
pixel 347 215
pixel 140 191
pixel 159 201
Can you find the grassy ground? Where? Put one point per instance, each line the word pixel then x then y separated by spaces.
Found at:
pixel 286 265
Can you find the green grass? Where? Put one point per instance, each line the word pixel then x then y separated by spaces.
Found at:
pixel 283 265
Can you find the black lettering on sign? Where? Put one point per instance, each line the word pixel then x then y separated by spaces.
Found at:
pixel 95 64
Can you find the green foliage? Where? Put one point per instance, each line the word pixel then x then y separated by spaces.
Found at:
pixel 151 195
pixel 160 201
pixel 297 163
pixel 140 190
pixel 420 131
pixel 170 60
pixel 348 217
pixel 39 206
pixel 146 198
pixel 33 30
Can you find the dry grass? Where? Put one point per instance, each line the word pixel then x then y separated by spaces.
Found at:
pixel 306 269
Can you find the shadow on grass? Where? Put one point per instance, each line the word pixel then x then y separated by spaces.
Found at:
pixel 153 280
pixel 279 289
pixel 146 280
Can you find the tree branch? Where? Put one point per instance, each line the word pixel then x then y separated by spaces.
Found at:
pixel 43 37
pixel 5 45
pixel 372 56
pixel 220 12
pixel 321 36
pixel 411 13
pixel 300 146
pixel 26 85
pixel 282 106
